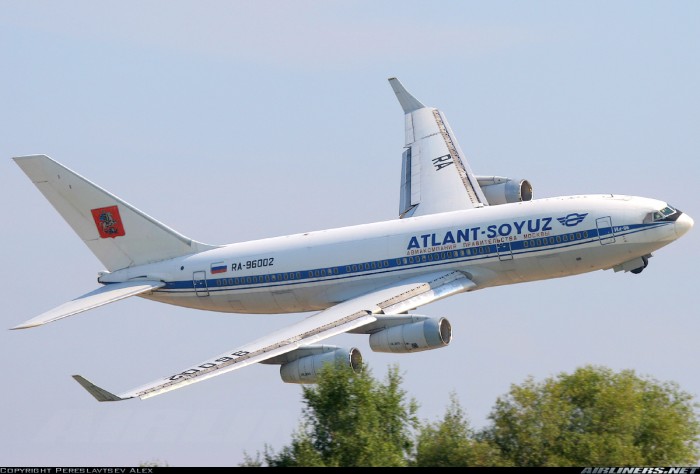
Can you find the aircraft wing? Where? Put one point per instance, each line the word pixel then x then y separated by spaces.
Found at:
pixel 435 175
pixel 107 294
pixel 346 316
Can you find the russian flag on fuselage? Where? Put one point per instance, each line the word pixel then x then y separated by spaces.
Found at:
pixel 218 267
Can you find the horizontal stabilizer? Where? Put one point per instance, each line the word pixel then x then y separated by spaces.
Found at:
pixel 100 394
pixel 107 294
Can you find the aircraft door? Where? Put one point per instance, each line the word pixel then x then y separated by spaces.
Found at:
pixel 199 281
pixel 504 251
pixel 605 230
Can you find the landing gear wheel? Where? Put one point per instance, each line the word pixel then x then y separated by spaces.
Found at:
pixel 637 271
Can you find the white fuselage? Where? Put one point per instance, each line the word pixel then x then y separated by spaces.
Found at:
pixel 495 245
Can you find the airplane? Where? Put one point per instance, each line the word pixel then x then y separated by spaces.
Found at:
pixel 456 232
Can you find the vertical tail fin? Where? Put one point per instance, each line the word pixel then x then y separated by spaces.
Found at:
pixel 117 233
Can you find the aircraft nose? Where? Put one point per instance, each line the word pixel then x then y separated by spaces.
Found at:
pixel 683 224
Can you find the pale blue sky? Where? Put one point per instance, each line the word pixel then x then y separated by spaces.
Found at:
pixel 232 121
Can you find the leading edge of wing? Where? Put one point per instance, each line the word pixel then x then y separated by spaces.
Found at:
pixel 101 296
pixel 343 317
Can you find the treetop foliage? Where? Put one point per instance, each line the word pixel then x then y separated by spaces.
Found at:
pixel 352 419
pixel 593 416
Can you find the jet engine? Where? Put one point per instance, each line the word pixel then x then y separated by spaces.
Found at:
pixel 422 335
pixel 303 365
pixel 501 190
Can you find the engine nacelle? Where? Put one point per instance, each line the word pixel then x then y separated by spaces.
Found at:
pixel 306 369
pixel 431 333
pixel 500 190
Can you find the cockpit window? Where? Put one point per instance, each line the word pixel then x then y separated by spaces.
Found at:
pixel 668 213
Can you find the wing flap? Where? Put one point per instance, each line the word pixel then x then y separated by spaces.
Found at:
pixel 440 287
pixel 343 317
pixel 107 294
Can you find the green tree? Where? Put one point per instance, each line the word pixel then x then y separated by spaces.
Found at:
pixel 351 420
pixel 591 417
pixel 451 442
pixel 596 417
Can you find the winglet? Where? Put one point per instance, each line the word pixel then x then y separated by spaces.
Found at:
pixel 100 394
pixel 407 101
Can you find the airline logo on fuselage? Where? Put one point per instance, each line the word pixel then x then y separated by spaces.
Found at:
pixel 572 219
pixel 472 234
pixel 529 228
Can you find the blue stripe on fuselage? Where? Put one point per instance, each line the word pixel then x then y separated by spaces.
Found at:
pixel 418 260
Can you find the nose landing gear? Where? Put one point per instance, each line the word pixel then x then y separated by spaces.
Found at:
pixel 637 271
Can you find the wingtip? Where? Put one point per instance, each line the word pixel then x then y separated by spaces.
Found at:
pixel 408 102
pixel 27 157
pixel 100 394
pixel 32 323
pixel 24 326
